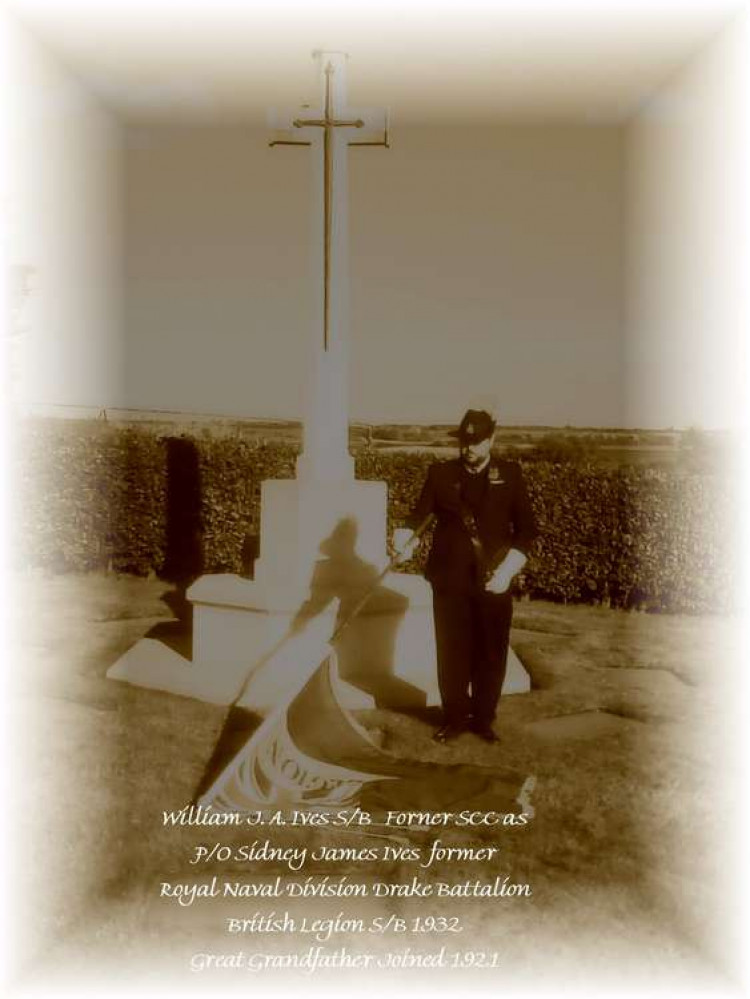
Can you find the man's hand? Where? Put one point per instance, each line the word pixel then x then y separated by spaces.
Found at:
pixel 405 543
pixel 499 581
pixel 502 577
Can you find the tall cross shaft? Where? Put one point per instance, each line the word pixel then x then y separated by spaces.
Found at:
pixel 329 133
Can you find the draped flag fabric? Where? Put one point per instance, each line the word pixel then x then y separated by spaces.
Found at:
pixel 295 755
pixel 311 752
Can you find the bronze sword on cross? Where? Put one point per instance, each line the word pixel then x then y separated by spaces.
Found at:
pixel 329 123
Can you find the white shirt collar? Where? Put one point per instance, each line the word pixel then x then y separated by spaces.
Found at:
pixel 479 469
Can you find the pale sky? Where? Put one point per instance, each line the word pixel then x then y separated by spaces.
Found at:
pixel 576 265
pixel 481 261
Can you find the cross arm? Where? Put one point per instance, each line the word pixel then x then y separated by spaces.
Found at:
pixel 279 123
pixel 382 140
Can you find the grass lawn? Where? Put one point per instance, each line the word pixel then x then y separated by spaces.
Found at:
pixel 627 732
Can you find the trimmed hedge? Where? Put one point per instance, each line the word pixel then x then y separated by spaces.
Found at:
pixel 93 495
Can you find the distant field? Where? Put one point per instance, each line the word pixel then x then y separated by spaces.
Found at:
pixel 656 455
pixel 605 446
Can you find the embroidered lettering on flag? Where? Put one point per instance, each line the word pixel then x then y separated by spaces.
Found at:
pixel 290 758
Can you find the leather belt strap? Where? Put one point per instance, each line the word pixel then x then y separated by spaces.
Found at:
pixel 470 525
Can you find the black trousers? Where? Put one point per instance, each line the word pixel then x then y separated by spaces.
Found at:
pixel 472 631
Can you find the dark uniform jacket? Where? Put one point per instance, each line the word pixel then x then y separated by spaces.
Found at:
pixel 502 513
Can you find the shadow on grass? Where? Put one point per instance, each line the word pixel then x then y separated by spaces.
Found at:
pixel 239 726
pixel 177 634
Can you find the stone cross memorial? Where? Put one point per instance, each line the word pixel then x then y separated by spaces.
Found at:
pixel 297 515
pixel 323 534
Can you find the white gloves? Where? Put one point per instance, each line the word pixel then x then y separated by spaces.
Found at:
pixel 404 544
pixel 502 577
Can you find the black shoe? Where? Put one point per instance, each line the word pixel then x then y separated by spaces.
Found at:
pixel 486 733
pixel 447 733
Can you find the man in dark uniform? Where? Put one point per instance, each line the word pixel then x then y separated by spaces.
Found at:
pixel 484 527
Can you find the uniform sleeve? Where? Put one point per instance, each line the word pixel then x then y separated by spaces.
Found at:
pixel 524 526
pixel 425 504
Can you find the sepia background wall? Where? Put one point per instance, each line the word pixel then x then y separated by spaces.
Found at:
pixel 481 258
pixel 584 271
pixel 687 169
pixel 62 161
